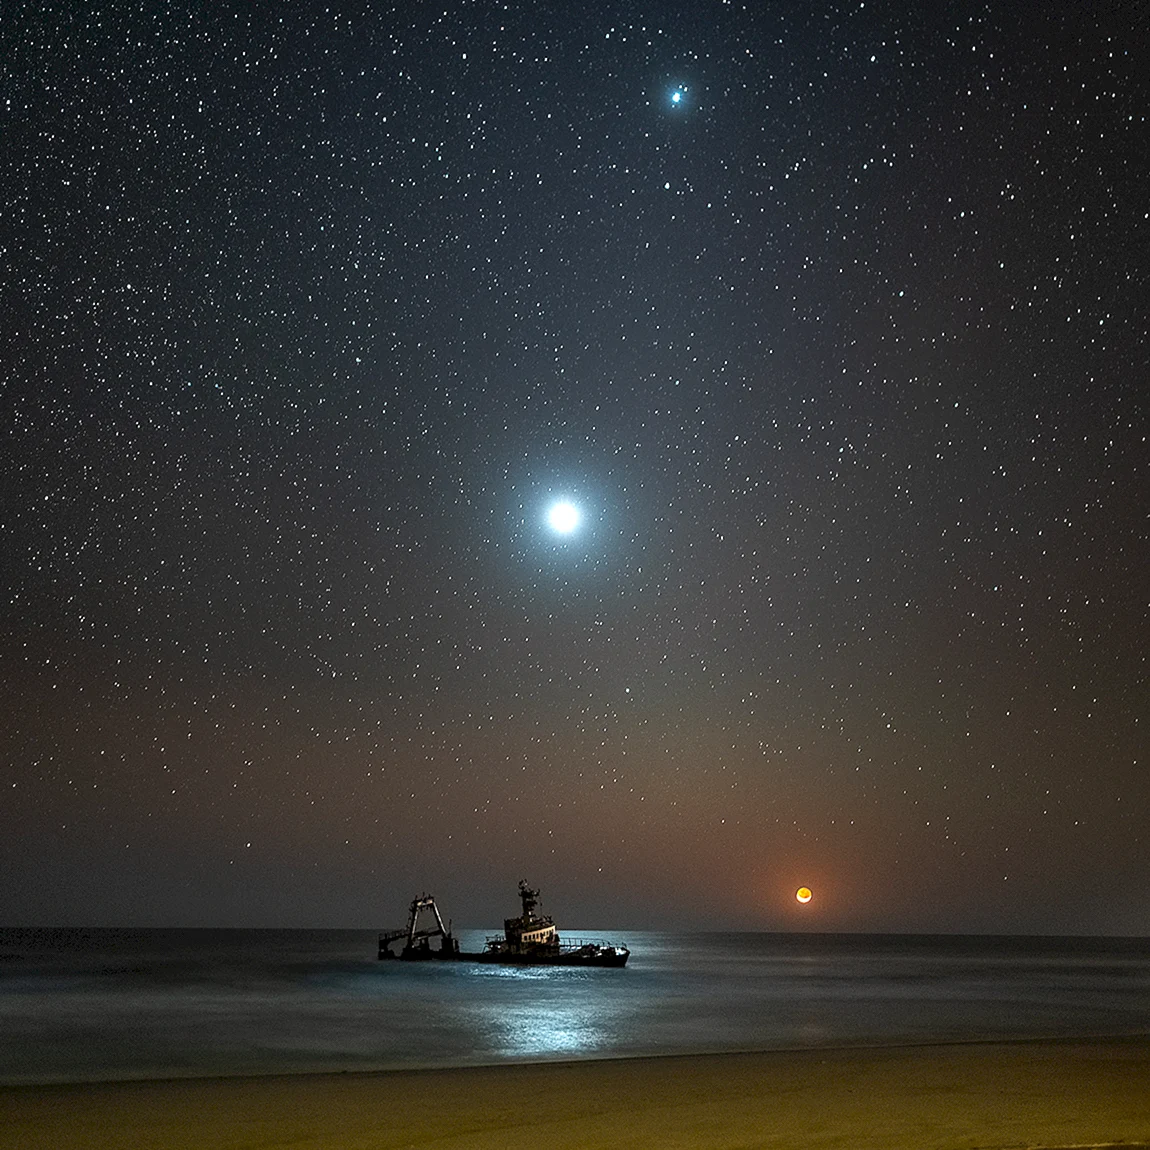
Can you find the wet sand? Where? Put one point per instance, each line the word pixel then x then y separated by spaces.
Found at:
pixel 1082 1093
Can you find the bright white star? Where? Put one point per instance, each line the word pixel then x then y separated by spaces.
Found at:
pixel 676 97
pixel 563 517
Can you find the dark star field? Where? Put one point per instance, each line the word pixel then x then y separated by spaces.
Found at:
pixel 824 324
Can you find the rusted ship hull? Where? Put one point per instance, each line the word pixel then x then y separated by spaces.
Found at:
pixel 590 955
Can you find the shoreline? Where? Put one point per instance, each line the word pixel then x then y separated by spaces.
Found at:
pixel 224 1075
pixel 1029 1092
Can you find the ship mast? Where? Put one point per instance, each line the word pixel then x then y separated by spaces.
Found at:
pixel 529 898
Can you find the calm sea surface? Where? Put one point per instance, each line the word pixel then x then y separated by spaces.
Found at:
pixel 80 1005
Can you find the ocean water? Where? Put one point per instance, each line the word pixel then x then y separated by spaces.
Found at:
pixel 92 1005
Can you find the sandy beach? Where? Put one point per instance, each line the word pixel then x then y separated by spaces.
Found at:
pixel 1083 1093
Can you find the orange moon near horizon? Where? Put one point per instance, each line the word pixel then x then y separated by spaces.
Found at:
pixel 803 894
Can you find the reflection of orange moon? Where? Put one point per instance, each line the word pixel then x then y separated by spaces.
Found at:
pixel 803 894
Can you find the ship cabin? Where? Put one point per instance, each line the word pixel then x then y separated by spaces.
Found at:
pixel 530 931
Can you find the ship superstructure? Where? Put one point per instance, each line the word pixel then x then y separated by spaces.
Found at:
pixel 529 933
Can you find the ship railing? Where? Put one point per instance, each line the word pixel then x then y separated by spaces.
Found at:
pixel 566 945
pixel 579 943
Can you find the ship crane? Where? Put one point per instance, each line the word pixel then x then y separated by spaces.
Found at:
pixel 417 939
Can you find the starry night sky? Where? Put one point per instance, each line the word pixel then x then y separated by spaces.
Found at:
pixel 830 319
